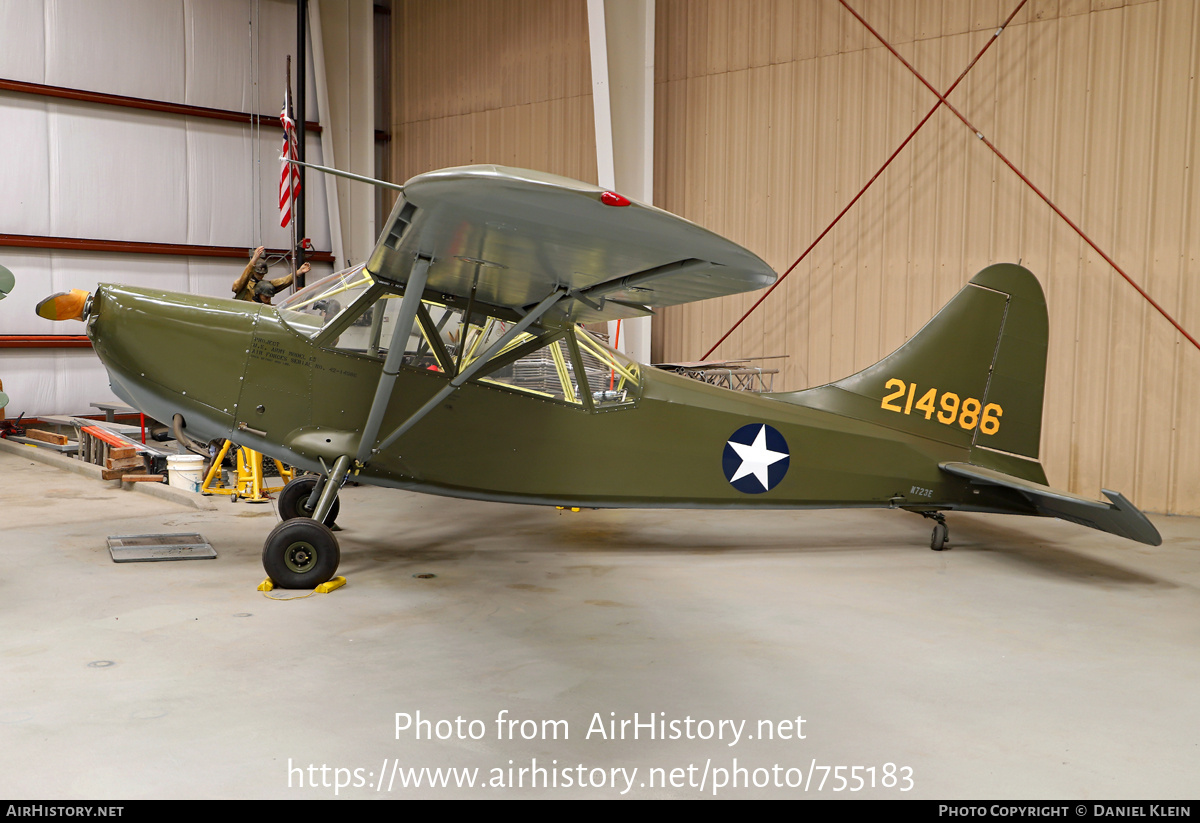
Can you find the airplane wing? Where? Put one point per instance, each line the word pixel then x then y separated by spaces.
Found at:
pixel 1120 517
pixel 514 236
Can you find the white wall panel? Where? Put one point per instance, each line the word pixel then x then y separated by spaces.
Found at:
pixel 108 45
pixel 23 55
pixel 24 164
pixel 129 47
pixel 42 379
pixel 79 270
pixel 214 276
pixel 33 271
pixel 118 174
pixel 78 383
pixel 219 71
pixel 221 184
pixel 29 381
pixel 94 171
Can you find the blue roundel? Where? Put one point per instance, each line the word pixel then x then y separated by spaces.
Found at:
pixel 755 459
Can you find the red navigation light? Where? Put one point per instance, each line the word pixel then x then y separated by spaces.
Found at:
pixel 611 198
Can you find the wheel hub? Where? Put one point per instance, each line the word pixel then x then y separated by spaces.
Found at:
pixel 300 557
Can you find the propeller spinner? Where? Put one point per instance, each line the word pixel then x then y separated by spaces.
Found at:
pixel 66 305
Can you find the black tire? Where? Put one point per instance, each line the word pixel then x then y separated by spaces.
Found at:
pixel 937 541
pixel 293 500
pixel 300 554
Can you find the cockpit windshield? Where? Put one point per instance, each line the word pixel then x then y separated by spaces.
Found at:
pixel 314 306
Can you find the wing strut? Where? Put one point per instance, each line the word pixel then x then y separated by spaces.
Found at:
pixel 395 355
pixel 383 184
pixel 467 373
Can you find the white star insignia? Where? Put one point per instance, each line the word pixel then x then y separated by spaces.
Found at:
pixel 756 458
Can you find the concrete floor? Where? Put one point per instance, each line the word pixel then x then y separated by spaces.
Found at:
pixel 1037 659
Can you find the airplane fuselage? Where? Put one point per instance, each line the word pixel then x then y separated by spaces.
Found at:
pixel 237 370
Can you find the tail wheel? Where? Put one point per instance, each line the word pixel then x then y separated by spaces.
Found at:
pixel 937 541
pixel 293 500
pixel 301 554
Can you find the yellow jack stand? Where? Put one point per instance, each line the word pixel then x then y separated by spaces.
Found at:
pixel 249 484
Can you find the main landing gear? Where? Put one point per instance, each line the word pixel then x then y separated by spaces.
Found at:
pixel 302 552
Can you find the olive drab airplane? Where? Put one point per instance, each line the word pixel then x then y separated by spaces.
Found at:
pixel 454 362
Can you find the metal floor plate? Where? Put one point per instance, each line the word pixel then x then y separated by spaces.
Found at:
pixel 140 548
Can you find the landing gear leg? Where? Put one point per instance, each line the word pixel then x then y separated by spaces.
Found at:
pixel 328 495
pixel 300 497
pixel 941 532
pixel 301 552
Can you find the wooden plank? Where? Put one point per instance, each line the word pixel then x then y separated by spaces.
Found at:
pixel 47 437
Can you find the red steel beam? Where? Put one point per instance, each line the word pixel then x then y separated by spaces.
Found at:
pixel 37 241
pixel 1024 179
pixel 80 95
pixel 874 177
pixel 44 341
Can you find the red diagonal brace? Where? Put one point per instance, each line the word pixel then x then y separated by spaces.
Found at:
pixel 1024 179
pixel 874 177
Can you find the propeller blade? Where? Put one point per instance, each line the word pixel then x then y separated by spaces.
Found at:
pixel 66 305
pixel 7 281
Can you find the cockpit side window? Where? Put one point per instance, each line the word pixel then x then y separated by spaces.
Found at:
pixel 349 311
pixel 612 378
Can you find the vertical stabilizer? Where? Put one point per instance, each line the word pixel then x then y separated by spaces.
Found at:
pixel 973 376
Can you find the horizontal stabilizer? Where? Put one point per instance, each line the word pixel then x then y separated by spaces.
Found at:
pixel 1119 517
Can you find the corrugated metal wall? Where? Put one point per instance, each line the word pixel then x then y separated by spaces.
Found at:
pixel 484 82
pixel 771 115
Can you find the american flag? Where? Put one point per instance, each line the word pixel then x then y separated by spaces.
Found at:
pixel 289 175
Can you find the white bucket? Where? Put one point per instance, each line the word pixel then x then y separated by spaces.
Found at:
pixel 185 471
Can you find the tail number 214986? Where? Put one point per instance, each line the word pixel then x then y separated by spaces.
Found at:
pixel 946 405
